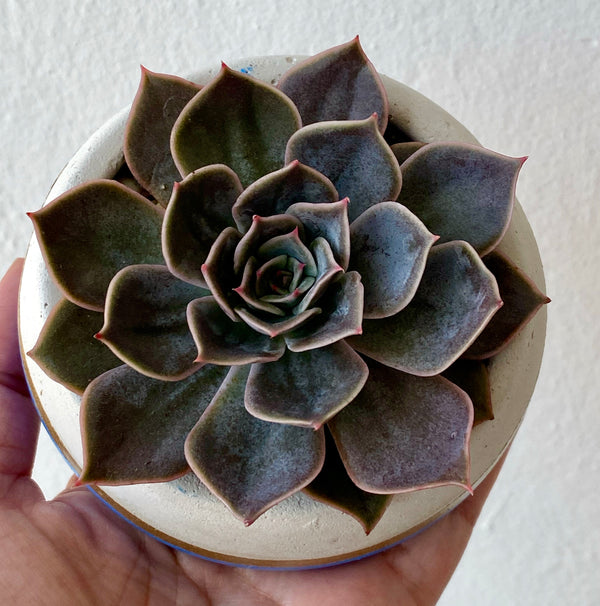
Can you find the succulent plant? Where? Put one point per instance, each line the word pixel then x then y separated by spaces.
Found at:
pixel 285 301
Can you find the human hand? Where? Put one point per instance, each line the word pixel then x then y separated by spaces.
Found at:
pixel 75 550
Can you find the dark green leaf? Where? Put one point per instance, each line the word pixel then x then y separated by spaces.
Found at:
pixel 134 427
pixel 145 321
pixel 158 103
pixel 275 192
pixel 222 341
pixel 91 232
pixel 238 121
pixel 198 212
pixel 66 349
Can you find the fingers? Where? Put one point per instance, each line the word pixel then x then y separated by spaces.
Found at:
pixel 19 423
pixel 11 371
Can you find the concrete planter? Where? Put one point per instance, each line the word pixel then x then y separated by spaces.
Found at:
pixel 298 532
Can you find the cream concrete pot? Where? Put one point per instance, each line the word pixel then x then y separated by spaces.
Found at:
pixel 298 532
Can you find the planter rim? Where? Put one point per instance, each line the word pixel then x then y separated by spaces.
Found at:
pixel 299 532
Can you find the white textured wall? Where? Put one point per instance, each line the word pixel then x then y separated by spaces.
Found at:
pixel 524 77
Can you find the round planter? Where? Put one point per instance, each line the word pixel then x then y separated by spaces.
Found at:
pixel 299 532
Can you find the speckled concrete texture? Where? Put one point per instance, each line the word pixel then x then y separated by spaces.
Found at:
pixel 522 77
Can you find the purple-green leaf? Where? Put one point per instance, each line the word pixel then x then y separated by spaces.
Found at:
pixel 307 388
pixel 248 288
pixel 455 299
pixel 238 121
pixel 91 232
pixel 145 321
pixel 291 245
pixel 261 230
pixel 66 349
pixel 199 210
pixel 275 192
pixel 337 84
pixel 404 433
pixel 274 328
pixel 461 192
pixel 522 300
pixel 218 270
pixel 354 156
pixel 327 270
pixel 134 427
pixel 341 316
pixel 389 250
pixel 221 341
pixel 334 487
pixel 472 376
pixel 158 103
pixel 329 221
pixel 248 463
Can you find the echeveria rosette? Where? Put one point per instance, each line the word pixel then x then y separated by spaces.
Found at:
pixel 284 323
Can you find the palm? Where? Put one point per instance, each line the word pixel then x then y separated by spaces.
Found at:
pixel 75 550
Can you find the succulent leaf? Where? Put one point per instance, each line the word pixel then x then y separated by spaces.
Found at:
pixel 238 121
pixel 261 230
pixel 473 377
pixel 145 321
pixel 217 269
pixel 389 250
pixel 272 328
pixel 334 487
pixel 199 209
pixel 461 192
pixel 354 156
pixel 158 103
pixel 337 84
pixel 307 388
pixel 455 299
pixel 327 270
pixel 273 193
pixel 221 341
pixel 290 245
pixel 248 463
pixel 66 349
pixel 329 221
pixel 386 437
pixel 340 317
pixel 522 300
pixel 91 232
pixel 248 288
pixel 404 150
pixel 134 427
